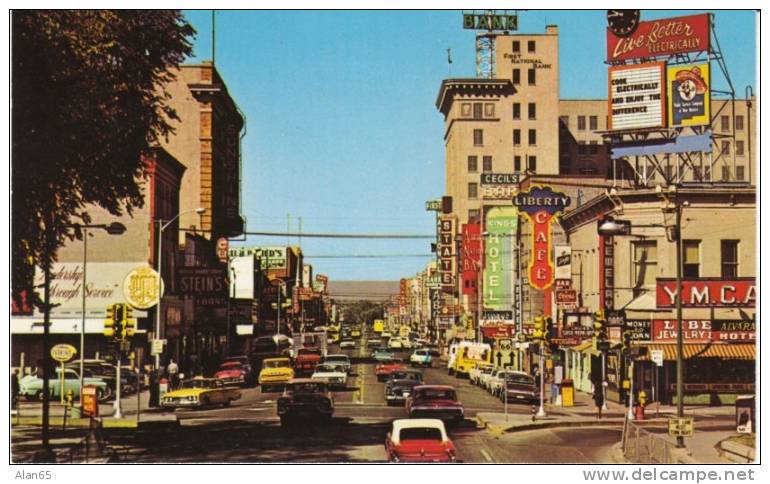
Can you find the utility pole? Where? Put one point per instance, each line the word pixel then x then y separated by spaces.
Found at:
pixel 679 336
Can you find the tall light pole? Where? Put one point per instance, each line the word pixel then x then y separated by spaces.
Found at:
pixel 115 228
pixel 161 228
pixel 479 280
pixel 280 284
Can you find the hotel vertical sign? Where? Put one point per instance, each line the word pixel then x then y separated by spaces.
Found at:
pixel 500 223
pixel 540 205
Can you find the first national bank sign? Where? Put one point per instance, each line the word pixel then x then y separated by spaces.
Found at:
pixel 490 21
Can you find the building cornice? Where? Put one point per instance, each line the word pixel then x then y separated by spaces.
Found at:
pixel 470 86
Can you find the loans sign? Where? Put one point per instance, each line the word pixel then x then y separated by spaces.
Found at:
pixel 636 96
pixel 498 257
pixel 540 204
pixel 662 37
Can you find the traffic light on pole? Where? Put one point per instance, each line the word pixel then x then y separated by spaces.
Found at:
pixel 547 327
pixel 539 332
pixel 129 325
pixel 109 322
pixel 120 321
pixel 600 327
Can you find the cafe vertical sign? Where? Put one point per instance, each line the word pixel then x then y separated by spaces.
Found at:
pixel 498 257
pixel 540 205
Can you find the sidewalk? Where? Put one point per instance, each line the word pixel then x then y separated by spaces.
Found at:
pixel 713 424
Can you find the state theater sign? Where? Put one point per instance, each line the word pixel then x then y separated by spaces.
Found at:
pixel 540 205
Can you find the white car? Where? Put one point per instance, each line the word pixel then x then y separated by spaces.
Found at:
pixel 394 343
pixel 475 374
pixel 348 343
pixel 334 374
pixel 406 344
pixel 483 380
pixel 421 357
pixel 339 359
pixel 496 381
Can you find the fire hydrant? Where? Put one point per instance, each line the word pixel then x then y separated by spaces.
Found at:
pixel 641 402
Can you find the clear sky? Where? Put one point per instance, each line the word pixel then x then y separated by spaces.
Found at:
pixel 342 128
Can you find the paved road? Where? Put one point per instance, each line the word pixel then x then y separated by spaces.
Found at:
pixel 249 430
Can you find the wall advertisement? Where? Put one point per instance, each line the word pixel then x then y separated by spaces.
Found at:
pixel 689 95
pixel 269 257
pixel 501 225
pixel 636 96
pixel 661 37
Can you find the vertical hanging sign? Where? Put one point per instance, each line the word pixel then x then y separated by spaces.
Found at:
pixel 446 254
pixel 471 257
pixel 498 257
pixel 540 204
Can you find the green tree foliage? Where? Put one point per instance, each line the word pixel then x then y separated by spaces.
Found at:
pixel 87 103
pixel 362 311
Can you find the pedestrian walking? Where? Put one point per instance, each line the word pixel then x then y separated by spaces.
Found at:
pixel 14 388
pixel 598 398
pixel 173 373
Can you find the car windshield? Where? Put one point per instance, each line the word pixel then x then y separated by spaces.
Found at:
pixel 236 359
pixel 276 364
pixel 436 394
pixel 308 352
pixel 306 387
pixel 230 365
pixel 420 433
pixel 336 359
pixel 521 379
pixel 198 384
pixel 329 369
pixel 406 375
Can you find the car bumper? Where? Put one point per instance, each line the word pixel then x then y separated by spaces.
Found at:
pixel 179 404
pixel 520 397
pixel 439 413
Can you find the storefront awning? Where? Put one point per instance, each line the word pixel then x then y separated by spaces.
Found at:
pixel 725 351
pixel 587 347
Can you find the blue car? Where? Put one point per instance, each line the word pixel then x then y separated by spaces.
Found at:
pixel 382 355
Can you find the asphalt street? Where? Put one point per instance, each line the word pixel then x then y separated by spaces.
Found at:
pixel 249 430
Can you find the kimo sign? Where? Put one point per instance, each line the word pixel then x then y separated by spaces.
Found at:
pixel 540 204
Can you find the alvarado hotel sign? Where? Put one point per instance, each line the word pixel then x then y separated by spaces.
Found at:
pixel 540 204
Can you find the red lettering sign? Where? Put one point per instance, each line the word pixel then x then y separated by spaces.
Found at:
pixel 471 258
pixel 500 331
pixel 708 293
pixel 703 330
pixel 657 38
pixel 540 265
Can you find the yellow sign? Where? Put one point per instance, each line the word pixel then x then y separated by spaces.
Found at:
pixel 689 95
pixel 680 427
pixel 63 352
pixel 140 288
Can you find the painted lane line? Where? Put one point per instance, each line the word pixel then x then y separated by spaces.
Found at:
pixel 486 455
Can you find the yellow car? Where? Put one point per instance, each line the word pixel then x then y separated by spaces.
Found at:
pixel 276 372
pixel 200 392
pixel 356 333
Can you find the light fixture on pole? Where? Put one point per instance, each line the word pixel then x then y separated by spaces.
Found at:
pixel 115 228
pixel 161 228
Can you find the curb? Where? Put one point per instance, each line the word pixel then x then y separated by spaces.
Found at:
pixel 499 429
pixel 82 423
pixel 737 452
pixel 617 455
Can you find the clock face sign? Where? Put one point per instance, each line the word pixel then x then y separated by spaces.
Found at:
pixel 623 23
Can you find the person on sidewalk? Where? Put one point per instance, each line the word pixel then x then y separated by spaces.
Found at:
pixel 173 373
pixel 14 389
pixel 598 393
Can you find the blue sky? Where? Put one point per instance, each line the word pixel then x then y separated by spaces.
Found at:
pixel 342 128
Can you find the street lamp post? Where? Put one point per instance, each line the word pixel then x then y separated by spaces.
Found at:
pixel 161 228
pixel 115 228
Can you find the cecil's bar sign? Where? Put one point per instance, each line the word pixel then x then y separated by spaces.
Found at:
pixel 708 293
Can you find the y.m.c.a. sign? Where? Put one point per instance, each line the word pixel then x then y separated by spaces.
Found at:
pixel 708 293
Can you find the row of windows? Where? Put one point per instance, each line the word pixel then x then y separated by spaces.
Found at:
pixel 704 173
pixel 531 111
pixel 593 122
pixel 477 110
pixel 516 46
pixel 478 137
pixel 725 122
pixel 531 77
pixel 740 147
pixel 473 163
pixel 645 260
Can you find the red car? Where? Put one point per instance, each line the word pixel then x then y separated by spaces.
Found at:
pixel 306 360
pixel 419 440
pixel 384 369
pixel 435 401
pixel 232 373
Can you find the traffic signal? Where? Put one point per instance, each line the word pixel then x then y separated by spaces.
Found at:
pixel 109 322
pixel 548 327
pixel 539 332
pixel 129 324
pixel 600 326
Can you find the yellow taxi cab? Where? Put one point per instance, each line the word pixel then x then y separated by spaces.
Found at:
pixel 200 392
pixel 276 372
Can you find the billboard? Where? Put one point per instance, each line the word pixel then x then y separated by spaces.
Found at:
pixel 662 37
pixel 498 257
pixel 269 257
pixel 637 96
pixel 689 95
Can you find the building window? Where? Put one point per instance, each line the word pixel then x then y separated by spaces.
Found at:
pixel 516 76
pixel 532 163
pixel 530 46
pixel 593 122
pixel 739 147
pixel 739 173
pixel 725 147
pixel 532 137
pixel 581 123
pixel 465 110
pixel 516 46
pixel 517 163
pixel 725 173
pixel 516 137
pixel 473 215
pixel 478 137
pixel 487 163
pixel 478 110
pixel 645 263
pixel 473 190
pixel 516 111
pixel 532 110
pixel 531 77
pixel 739 123
pixel 564 121
pixel 729 259
pixel 473 164
pixel 691 258
pixel 489 110
pixel 725 123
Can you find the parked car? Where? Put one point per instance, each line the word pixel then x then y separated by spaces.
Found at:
pixel 419 440
pixel 108 373
pixel 475 374
pixel 200 392
pixel 435 401
pixel 232 373
pixel 251 373
pixel 305 397
pixel 382 354
pixel 339 359
pixel 31 386
pixel 421 357
pixel 332 373
pixel 496 381
pixel 347 343
pixel 484 376
pixel 520 387
pixel 385 368
pixel 306 360
pixel 275 373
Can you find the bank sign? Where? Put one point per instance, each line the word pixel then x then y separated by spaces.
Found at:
pixel 540 204
pixel 490 21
